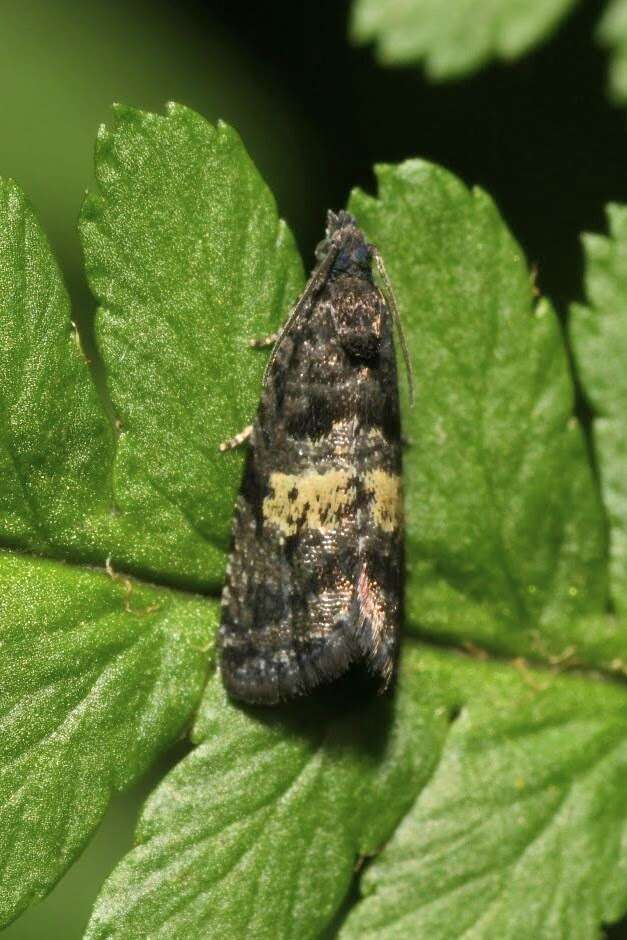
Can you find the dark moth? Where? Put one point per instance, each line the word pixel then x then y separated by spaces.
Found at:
pixel 315 574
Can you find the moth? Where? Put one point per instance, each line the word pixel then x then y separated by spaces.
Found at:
pixel 314 580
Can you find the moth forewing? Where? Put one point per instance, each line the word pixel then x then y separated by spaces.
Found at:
pixel 315 574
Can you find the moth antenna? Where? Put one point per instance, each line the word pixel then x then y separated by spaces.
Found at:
pixel 388 293
pixel 311 289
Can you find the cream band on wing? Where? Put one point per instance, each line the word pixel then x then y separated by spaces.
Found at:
pixel 320 500
pixel 387 501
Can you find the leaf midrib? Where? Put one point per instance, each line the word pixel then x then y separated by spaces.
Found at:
pixel 489 652
pixel 137 575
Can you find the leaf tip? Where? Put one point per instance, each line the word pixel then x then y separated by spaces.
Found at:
pixel 227 133
pixel 12 193
pixel 124 112
pixel 596 247
pixel 617 219
pixel 358 200
pixel 175 111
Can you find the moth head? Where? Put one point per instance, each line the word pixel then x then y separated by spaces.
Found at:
pixel 337 221
pixel 352 252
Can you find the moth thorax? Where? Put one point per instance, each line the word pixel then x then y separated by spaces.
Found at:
pixel 359 321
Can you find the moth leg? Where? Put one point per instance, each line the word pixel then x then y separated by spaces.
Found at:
pixel 238 439
pixel 263 341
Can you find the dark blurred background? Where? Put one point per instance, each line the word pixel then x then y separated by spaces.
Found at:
pixel 539 135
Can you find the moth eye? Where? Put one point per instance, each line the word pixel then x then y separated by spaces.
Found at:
pixel 362 255
pixel 343 261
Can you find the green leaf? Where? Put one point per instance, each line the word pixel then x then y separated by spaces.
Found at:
pixel 522 829
pixel 455 38
pixel 519 822
pixel 612 33
pixel 505 535
pixel 189 260
pixel 56 445
pixel 257 832
pixel 185 249
pixel 186 253
pixel 599 333
pixel 98 674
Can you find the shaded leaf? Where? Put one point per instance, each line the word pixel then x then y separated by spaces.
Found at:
pixel 599 333
pixel 455 38
pixel 612 33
